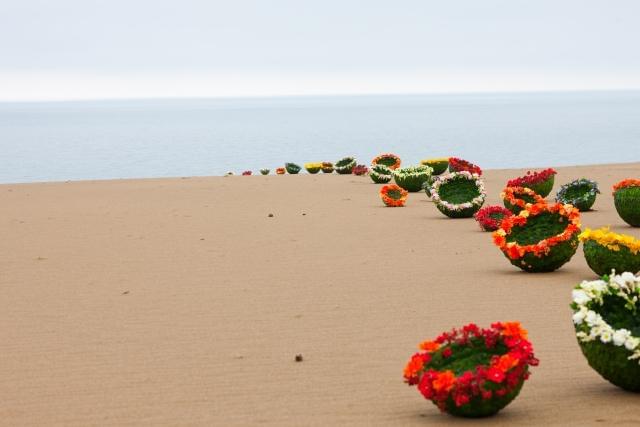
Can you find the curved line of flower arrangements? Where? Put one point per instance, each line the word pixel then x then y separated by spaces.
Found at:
pixel 499 377
pixel 509 194
pixel 611 240
pixel 389 200
pixel 591 326
pixel 515 251
pixel 626 183
pixel 593 190
pixel 478 200
pixel 396 165
pixel 531 178
pixel 460 165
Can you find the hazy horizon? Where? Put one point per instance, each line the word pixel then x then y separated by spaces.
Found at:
pixel 92 50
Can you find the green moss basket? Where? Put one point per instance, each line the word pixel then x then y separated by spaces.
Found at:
pixel 459 195
pixel 327 167
pixel 380 174
pixel 313 169
pixel 426 186
pixel 292 168
pixel 627 202
pixel 345 166
pixel 602 259
pixel 548 238
pixel 608 327
pixel 543 188
pixel 265 171
pixel 580 193
pixel 439 166
pixel 412 178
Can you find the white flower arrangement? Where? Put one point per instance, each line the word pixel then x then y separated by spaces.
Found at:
pixel 591 326
pixel 476 201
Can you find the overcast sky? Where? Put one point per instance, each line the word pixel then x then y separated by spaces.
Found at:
pixel 77 49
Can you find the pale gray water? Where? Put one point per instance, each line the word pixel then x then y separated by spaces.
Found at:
pixel 161 138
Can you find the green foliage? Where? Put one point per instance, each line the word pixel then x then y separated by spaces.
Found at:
pixel 543 188
pixel 627 202
pixel 602 259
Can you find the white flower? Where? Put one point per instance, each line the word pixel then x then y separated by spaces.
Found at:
pixel 579 316
pixel 605 336
pixel 631 343
pixel 580 297
pixel 591 318
pixel 620 336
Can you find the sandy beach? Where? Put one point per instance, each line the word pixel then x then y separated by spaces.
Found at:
pixel 182 302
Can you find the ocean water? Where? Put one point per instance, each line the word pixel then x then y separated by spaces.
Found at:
pixel 162 138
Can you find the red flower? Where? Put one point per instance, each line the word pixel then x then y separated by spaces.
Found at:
pixel 459 165
pixel 531 178
pixel 446 353
pixel 495 375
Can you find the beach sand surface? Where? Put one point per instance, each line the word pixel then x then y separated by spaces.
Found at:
pixel 182 302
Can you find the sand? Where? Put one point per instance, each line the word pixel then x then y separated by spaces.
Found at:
pixel 181 302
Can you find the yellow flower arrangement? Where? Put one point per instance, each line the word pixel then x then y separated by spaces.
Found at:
pixel 611 240
pixel 313 167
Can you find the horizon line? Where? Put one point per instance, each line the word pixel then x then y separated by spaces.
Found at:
pixel 311 95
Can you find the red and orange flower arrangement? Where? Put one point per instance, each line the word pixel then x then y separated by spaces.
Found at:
pixel 459 165
pixel 516 198
pixel 393 195
pixel 280 171
pixel 360 170
pixel 556 228
pixel 390 160
pixel 540 182
pixel 473 372
pixel 489 218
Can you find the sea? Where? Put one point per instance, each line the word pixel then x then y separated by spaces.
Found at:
pixel 114 139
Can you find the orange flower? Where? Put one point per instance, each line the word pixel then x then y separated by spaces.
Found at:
pixel 626 183
pixel 280 171
pixel 514 330
pixel 413 366
pixel 429 346
pixel 393 195
pixel 506 362
pixel 511 195
pixel 444 382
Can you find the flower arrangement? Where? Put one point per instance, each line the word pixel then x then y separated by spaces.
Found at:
pixel 439 165
pixel 292 168
pixel 313 168
pixel 490 217
pixel 247 173
pixel 412 178
pixel 541 237
pixel 393 195
pixel 580 193
pixel 388 159
pixel 280 171
pixel 327 167
pixel 380 174
pixel 605 315
pixel 605 250
pixel 540 182
pixel 345 165
pixel 360 170
pixel 626 197
pixel 459 165
pixel 265 171
pixel 459 194
pixel 472 372
pixel 517 198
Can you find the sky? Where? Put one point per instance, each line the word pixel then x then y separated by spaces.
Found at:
pixel 93 49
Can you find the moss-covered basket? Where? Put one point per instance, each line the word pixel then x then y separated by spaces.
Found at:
pixel 345 165
pixel 412 178
pixel 439 166
pixel 380 174
pixel 542 230
pixel 627 202
pixel 292 168
pixel 516 198
pixel 313 168
pixel 602 259
pixel 609 341
pixel 327 167
pixel 580 193
pixel 459 195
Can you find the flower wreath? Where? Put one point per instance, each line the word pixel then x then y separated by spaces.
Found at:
pixel 601 310
pixel 580 193
pixel 389 160
pixel 540 182
pixel 516 198
pixel 530 257
pixel 490 217
pixel 471 371
pixel 459 165
pixel 393 195
pixel 345 165
pixel 605 250
pixel 380 174
pixel 626 197
pixel 464 209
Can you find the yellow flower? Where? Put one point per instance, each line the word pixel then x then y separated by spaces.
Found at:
pixel 611 240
